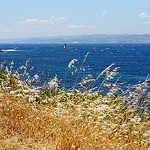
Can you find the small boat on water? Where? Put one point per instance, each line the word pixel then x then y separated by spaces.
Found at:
pixel 64 45
pixel 1 51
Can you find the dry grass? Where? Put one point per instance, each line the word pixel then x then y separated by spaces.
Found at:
pixel 25 125
pixel 53 119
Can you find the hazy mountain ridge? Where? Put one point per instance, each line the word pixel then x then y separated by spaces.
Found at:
pixel 94 38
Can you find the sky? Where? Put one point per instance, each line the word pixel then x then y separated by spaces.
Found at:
pixel 46 18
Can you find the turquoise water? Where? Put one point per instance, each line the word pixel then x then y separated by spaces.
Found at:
pixel 133 59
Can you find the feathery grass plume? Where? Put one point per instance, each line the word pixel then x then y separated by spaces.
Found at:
pixel 70 65
pixel 80 70
pixel 25 74
pixel 11 66
pixel 113 88
pixel 53 83
pixel 2 65
pixel 109 76
pixel 72 62
pixel 87 79
pixel 104 71
pixel 137 96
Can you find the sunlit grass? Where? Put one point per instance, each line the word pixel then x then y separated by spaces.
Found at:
pixel 44 116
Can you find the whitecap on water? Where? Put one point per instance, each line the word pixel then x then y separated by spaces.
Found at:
pixel 9 50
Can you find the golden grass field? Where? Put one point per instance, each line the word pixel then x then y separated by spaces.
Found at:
pixel 57 119
pixel 25 125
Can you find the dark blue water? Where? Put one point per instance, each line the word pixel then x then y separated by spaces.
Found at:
pixel 133 59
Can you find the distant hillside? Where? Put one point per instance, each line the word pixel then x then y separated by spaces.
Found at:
pixel 95 38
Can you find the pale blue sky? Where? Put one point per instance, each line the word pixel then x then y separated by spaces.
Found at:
pixel 44 18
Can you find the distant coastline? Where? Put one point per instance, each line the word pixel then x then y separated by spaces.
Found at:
pixel 93 38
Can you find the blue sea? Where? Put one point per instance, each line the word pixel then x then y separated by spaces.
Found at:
pixel 133 60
